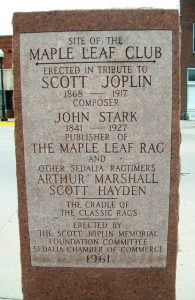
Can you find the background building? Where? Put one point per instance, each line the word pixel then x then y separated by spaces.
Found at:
pixel 6 46
pixel 187 12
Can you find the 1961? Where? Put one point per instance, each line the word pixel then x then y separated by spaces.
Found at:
pixel 94 258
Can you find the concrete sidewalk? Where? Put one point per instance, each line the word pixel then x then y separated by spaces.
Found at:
pixel 10 269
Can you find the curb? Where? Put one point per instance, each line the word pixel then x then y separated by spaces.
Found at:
pixel 7 123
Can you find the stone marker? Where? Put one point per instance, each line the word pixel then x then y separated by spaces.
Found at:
pixel 97 136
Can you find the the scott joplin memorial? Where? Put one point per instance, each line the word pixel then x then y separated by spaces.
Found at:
pixel 97 114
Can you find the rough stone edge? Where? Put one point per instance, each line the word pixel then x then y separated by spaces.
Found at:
pixel 35 279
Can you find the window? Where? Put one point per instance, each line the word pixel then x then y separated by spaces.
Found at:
pixel 8 97
pixel 191 76
pixel 8 91
pixel 193 41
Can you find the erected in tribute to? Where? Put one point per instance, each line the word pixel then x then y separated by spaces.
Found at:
pixel 97 136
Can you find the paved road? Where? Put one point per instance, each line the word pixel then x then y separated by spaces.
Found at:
pixel 186 255
pixel 10 270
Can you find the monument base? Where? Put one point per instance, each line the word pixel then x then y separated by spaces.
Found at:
pixel 80 119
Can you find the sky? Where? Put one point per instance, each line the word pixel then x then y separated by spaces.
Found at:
pixel 8 7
